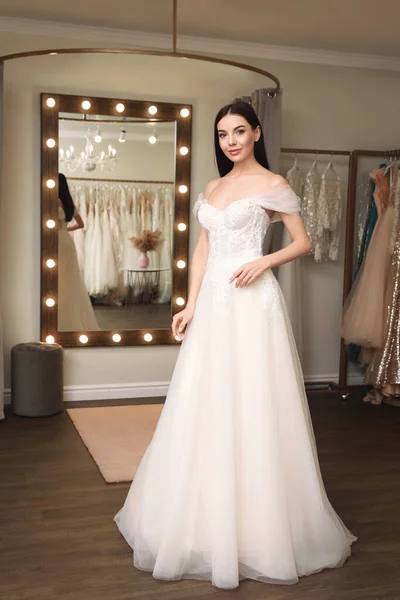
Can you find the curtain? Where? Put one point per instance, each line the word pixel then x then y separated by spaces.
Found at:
pixel 113 213
pixel 1 331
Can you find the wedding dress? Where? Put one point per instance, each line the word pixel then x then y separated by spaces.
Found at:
pixel 75 311
pixel 310 202
pixel 328 215
pixel 229 487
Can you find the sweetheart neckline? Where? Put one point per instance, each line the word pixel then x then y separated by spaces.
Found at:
pixel 234 202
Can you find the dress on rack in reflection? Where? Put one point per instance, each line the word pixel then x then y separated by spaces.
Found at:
pixel 230 487
pixel 75 311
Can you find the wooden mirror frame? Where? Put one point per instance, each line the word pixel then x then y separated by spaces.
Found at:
pixel 51 106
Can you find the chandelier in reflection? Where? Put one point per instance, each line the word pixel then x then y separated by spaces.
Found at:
pixel 89 160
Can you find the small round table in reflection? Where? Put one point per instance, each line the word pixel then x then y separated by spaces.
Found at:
pixel 143 285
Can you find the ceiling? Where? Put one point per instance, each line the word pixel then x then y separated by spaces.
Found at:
pixel 355 26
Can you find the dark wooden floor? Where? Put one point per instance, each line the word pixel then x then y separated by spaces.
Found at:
pixel 58 539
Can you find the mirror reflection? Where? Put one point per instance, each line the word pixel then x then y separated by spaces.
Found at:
pixel 115 250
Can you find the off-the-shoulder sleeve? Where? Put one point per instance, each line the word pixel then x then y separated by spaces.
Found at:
pixel 197 204
pixel 282 200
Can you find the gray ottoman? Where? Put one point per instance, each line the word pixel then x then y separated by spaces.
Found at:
pixel 36 379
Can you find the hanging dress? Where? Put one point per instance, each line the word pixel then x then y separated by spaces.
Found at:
pixel 384 367
pixel 364 312
pixel 328 215
pixel 309 202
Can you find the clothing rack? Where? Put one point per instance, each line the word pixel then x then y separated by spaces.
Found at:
pixel 349 243
pixel 330 387
pixel 315 151
pixel 119 180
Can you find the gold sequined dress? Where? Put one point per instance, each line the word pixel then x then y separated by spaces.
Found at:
pixel 384 367
pixel 371 316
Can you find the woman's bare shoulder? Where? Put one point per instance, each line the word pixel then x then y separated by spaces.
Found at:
pixel 272 180
pixel 210 187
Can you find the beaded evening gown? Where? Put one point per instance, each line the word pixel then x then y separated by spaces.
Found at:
pixel 229 487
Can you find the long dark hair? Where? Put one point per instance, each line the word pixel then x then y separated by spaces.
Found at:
pixel 65 197
pixel 246 111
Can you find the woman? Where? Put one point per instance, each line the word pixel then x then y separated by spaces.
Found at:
pixel 75 311
pixel 230 486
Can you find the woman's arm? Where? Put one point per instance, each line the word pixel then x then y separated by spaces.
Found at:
pixel 78 224
pixel 301 243
pixel 197 269
pixel 200 257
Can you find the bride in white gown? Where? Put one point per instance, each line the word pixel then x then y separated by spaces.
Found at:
pixel 230 487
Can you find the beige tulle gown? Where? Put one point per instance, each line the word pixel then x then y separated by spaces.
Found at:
pixel 384 363
pixel 75 311
pixel 365 310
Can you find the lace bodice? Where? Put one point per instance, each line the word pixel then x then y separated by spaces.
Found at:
pixel 239 229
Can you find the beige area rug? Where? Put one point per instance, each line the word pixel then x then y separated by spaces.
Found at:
pixel 116 436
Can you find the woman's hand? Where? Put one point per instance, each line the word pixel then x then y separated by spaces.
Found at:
pixel 249 272
pixel 180 320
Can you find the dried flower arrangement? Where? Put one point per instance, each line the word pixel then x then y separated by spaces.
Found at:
pixel 147 240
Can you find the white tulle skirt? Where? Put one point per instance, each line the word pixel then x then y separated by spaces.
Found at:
pixel 230 487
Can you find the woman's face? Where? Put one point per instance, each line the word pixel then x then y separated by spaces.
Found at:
pixel 237 137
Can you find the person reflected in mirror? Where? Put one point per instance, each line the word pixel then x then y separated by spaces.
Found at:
pixel 75 310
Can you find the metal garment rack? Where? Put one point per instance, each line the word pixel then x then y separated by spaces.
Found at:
pixel 329 386
pixel 349 247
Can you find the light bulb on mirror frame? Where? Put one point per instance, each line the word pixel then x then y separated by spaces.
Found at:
pixel 185 112
pixel 83 339
pixel 50 143
pixel 50 102
pixel 181 227
pixel 50 223
pixel 153 110
pixel 50 263
pixel 116 338
pixel 50 302
pixel 50 183
pixel 50 339
pixel 120 107
pixel 183 189
pixel 86 104
pixel 181 264
pixel 183 151
pixel 147 337
pixel 180 301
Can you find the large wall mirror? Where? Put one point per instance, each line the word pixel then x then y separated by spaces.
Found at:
pixel 115 270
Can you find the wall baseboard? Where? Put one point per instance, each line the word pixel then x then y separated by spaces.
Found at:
pixel 80 393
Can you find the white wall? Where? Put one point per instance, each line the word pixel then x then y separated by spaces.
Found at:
pixel 332 107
